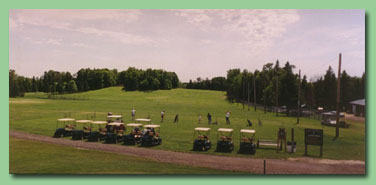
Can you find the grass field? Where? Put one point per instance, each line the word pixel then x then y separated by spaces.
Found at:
pixel 36 113
pixel 49 158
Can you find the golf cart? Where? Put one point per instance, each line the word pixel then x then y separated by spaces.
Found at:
pixel 150 136
pixel 330 119
pixel 134 137
pixel 139 120
pixel 224 138
pixel 97 135
pixel 247 137
pixel 84 132
pixel 66 130
pixel 115 118
pixel 202 142
pixel 115 132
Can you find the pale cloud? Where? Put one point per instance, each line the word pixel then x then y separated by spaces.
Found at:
pixel 68 20
pixel 82 45
pixel 62 19
pixel 45 41
pixel 118 36
pixel 192 43
pixel 258 27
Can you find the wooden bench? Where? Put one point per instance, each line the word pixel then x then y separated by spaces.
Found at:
pixel 268 143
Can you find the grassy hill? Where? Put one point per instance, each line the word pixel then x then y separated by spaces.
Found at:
pixel 37 113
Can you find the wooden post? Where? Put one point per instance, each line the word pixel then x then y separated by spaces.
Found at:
pixel 297 121
pixel 320 150
pixel 264 166
pixel 264 105
pixel 243 91
pixel 248 94
pixel 277 97
pixel 292 140
pixel 338 94
pixel 254 91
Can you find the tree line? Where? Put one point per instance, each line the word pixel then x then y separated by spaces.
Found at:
pixel 274 83
pixel 87 79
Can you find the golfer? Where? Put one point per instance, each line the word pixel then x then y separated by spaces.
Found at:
pixel 209 118
pixel 176 118
pixel 228 117
pixel 199 118
pixel 162 116
pixel 133 113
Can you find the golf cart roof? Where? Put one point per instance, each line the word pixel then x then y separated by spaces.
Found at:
pixel 83 121
pixel 152 126
pixel 143 119
pixel 333 113
pixel 202 129
pixel 247 131
pixel 225 130
pixel 116 124
pixel 99 122
pixel 134 124
pixel 115 116
pixel 65 119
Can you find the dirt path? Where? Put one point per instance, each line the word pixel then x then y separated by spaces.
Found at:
pixel 251 165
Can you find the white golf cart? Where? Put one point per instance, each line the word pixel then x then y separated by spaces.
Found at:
pixel 115 131
pixel 224 140
pixel 99 135
pixel 134 137
pixel 83 132
pixel 67 125
pixel 201 142
pixel 247 138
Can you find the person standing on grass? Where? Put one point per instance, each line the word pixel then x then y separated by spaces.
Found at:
pixel 209 118
pixel 228 117
pixel 176 118
pixel 199 118
pixel 133 113
pixel 162 116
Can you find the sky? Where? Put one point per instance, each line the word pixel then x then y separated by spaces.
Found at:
pixel 192 43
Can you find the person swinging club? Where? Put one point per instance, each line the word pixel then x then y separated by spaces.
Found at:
pixel 228 117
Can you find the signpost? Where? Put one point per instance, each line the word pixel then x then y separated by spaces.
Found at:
pixel 313 137
pixel 282 137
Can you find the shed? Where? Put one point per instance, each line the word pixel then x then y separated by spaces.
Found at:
pixel 358 107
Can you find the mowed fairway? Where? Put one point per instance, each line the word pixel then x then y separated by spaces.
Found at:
pixel 37 114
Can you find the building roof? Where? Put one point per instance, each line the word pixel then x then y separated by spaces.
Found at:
pixel 359 102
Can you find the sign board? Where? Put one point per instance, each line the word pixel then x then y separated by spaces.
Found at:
pixel 314 136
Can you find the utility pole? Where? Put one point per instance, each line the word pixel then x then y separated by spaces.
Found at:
pixel 298 101
pixel 264 103
pixel 338 94
pixel 277 98
pixel 248 92
pixel 254 90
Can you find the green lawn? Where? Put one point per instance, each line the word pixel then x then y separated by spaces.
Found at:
pixel 49 158
pixel 36 114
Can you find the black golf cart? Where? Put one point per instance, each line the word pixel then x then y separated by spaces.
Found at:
pixel 247 138
pixel 201 142
pixel 224 140
pixel 150 135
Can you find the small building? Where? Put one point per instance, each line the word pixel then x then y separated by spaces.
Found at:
pixel 358 107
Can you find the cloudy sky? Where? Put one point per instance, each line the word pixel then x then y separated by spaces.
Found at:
pixel 192 43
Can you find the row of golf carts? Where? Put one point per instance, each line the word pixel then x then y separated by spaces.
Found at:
pixel 111 131
pixel 224 140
